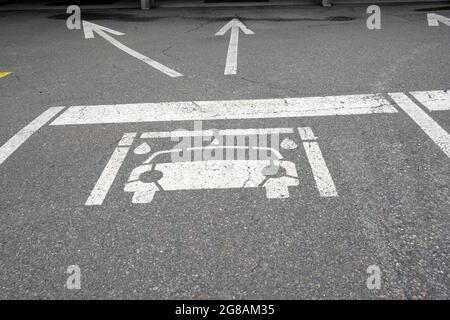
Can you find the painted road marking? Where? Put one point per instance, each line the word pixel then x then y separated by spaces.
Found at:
pixel 235 25
pixel 306 133
pixel 17 140
pixel 434 19
pixel 232 109
pixel 437 100
pixel 243 109
pixel 89 29
pixel 127 139
pixel 319 168
pixel 271 172
pixel 109 174
pixel 424 121
pixel 211 174
pixel 211 133
pixel 4 74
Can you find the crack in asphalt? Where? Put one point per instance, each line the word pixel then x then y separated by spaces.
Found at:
pixel 164 52
pixel 269 85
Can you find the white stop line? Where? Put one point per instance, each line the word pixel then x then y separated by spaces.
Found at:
pixel 345 105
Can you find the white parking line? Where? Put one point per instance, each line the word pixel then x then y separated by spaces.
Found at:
pixel 306 134
pixel 436 100
pixel 104 183
pixel 127 139
pixel 227 109
pixel 319 168
pixel 17 140
pixel 424 121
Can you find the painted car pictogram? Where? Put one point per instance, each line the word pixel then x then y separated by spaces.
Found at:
pixel 275 175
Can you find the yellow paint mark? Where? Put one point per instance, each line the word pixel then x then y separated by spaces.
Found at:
pixel 4 74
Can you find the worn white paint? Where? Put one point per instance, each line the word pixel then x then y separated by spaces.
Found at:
pixel 227 109
pixel 321 174
pixel 107 177
pixel 143 148
pixel 424 121
pixel 272 151
pixel 232 54
pixel 436 100
pixel 211 133
pixel 212 174
pixel 89 29
pixel 288 144
pixel 319 168
pixel 19 138
pixel 434 20
pixel 235 25
pixel 306 133
pixel 127 139
pixel 320 171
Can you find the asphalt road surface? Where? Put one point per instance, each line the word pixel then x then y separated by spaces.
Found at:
pixel 367 150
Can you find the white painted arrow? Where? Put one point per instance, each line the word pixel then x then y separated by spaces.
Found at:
pixel 89 29
pixel 434 19
pixel 234 25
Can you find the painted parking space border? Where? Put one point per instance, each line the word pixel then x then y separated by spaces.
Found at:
pixel 104 183
pixel 23 135
pixel 227 109
pixel 344 105
pixel 431 128
pixel 435 100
